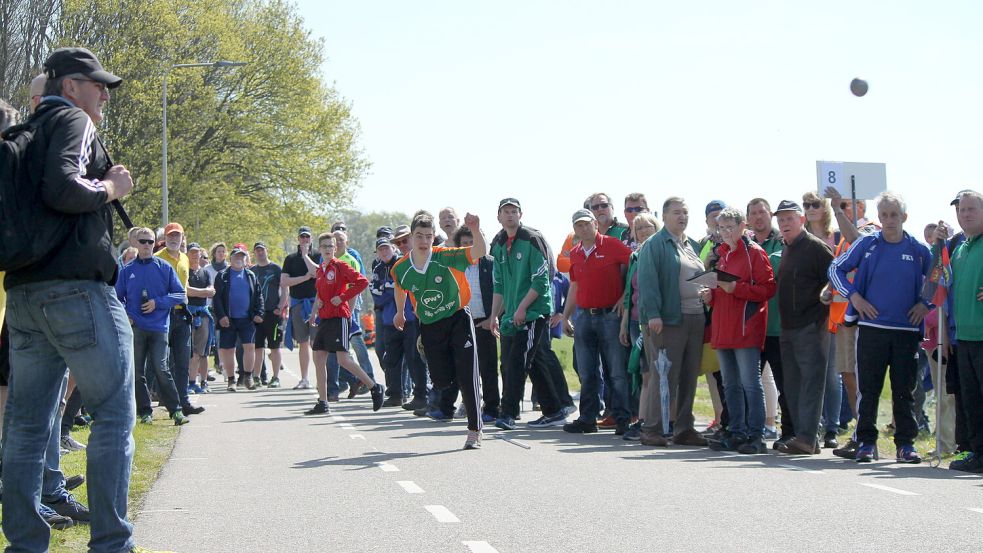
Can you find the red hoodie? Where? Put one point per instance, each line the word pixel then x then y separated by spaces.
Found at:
pixel 337 278
pixel 740 318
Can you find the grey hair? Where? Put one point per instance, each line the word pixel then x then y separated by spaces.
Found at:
pixel 732 214
pixel 8 115
pixel 892 198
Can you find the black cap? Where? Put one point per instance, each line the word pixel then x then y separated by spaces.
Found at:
pixel 339 226
pixel 384 232
pixel 73 61
pixel 238 250
pixel 304 230
pixel 259 244
pixel 383 242
pixel 194 246
pixel 956 201
pixel 788 205
pixel 509 201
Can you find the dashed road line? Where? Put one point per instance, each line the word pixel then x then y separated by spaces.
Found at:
pixel 888 489
pixel 356 436
pixel 976 510
pixel 441 513
pixel 479 547
pixel 800 469
pixel 346 425
pixel 189 458
pixel 410 486
pixel 386 467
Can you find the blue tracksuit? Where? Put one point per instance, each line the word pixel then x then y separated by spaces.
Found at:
pixel 159 279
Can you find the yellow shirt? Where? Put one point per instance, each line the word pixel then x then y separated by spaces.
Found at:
pixel 181 265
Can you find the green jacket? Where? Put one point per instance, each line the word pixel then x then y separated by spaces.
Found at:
pixel 629 289
pixel 773 246
pixel 618 230
pixel 967 275
pixel 528 264
pixel 658 268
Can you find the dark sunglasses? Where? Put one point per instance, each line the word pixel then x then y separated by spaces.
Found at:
pixel 636 209
pixel 813 205
pixel 401 241
pixel 604 205
pixel 145 241
pixel 339 227
pixel 844 205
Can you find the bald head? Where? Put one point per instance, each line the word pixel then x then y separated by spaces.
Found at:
pixel 36 90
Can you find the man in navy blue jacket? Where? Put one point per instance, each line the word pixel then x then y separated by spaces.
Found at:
pixel 238 305
pixel 885 302
pixel 148 288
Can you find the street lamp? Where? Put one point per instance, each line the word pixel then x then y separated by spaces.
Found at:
pixel 163 171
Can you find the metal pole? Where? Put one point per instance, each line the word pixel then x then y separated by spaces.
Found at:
pixel 853 198
pixel 163 169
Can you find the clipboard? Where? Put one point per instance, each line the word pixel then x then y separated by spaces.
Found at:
pixel 712 277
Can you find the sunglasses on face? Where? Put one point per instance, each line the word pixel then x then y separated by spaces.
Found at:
pixel 812 205
pixel 636 209
pixel 339 227
pixel 401 241
pixel 145 241
pixel 603 205
pixel 844 205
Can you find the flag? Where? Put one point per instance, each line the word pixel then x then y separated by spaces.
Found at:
pixel 936 287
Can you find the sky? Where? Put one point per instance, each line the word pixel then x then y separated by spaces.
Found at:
pixel 466 103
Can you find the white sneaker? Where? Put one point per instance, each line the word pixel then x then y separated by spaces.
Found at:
pixel 461 412
pixel 473 441
pixel 70 444
pixel 303 385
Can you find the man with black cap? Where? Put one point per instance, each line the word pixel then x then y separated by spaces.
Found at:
pixel 382 233
pixel 802 277
pixel 300 279
pixel 238 305
pixel 269 333
pixel 66 309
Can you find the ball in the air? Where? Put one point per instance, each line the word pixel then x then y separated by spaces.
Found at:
pixel 858 87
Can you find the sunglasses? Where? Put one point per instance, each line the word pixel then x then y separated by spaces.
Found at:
pixel 844 205
pixel 812 205
pixel 339 227
pixel 145 241
pixel 636 209
pixel 604 205
pixel 401 241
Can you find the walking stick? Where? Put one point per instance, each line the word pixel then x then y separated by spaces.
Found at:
pixel 943 364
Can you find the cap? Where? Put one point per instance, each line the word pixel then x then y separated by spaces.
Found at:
pixel 401 231
pixel 715 205
pixel 381 232
pixel 195 246
pixel 239 246
pixel 239 249
pixel 73 61
pixel 509 201
pixel 304 230
pixel 383 242
pixel 788 205
pixel 956 200
pixel 339 226
pixel 258 245
pixel 173 227
pixel 583 215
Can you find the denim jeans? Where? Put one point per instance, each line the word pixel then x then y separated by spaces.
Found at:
pixel 833 397
pixel 53 481
pixel 742 391
pixel 150 356
pixel 596 336
pixel 54 325
pixel 179 360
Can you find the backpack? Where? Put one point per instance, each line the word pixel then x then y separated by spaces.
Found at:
pixel 29 230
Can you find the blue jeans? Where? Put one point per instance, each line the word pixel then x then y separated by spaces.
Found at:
pixel 596 336
pixel 179 343
pixel 742 391
pixel 54 325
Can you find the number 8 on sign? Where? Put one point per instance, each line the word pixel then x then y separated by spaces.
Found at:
pixel 832 177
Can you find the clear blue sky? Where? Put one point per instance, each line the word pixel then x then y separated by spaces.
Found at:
pixel 464 103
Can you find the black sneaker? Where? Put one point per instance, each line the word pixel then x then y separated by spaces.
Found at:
pixel 753 446
pixel 71 508
pixel 378 396
pixel 73 482
pixel 394 401
pixel 320 408
pixel 416 404
pixel 727 443
pixel 580 427
pixel 849 451
pixel 971 463
pixel 192 410
pixel 634 433
pixel 56 521
pixel 422 411
pixel 621 428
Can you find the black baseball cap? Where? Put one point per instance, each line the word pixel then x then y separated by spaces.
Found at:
pixel 195 246
pixel 74 61
pixel 383 242
pixel 384 232
pixel 258 245
pixel 788 205
pixel 961 192
pixel 304 230
pixel 509 201
pixel 237 251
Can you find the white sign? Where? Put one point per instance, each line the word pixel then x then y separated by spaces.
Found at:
pixel 870 179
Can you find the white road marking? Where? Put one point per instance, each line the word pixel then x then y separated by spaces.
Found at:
pixel 888 489
pixel 800 469
pixel 441 513
pixel 386 467
pixel 356 436
pixel 410 486
pixel 338 418
pixel 189 458
pixel 976 510
pixel 479 547
pixel 346 425
pixel 177 510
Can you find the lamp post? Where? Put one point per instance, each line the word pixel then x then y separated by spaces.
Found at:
pixel 163 171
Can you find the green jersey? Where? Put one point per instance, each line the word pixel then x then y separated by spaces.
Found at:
pixel 967 274
pixel 439 288
pixel 521 263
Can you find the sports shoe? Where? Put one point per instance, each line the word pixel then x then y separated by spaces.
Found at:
pixel 621 428
pixel 250 382
pixel 849 451
pixel 866 453
pixel 908 454
pixel 146 419
pixel 378 396
pixel 304 384
pixel 73 482
pixel 569 409
pixel 461 412
pixel 968 463
pixel 56 521
pixel 770 434
pixel 439 416
pixel 829 440
pixel 415 404
pixel 607 422
pixel 505 423
pixel 393 401
pixel 205 389
pixel 71 508
pixel 320 408
pixel 488 418
pixel 231 387
pixel 754 446
pixel 274 382
pixel 580 427
pixel 422 411
pixel 179 418
pixel 474 440
pixel 634 433
pixel 70 444
pixel 729 442
pixel 352 392
pixel 194 388
pixel 547 421
pixel 192 410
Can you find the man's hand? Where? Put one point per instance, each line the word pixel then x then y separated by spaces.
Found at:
pixel 336 301
pixel 866 310
pixel 399 321
pixel 493 327
pixel 556 319
pixel 519 318
pixel 119 182
pixel 568 327
pixel 305 249
pixel 655 325
pixel 826 297
pixel 472 222
pixel 619 308
pixel 942 232
pixel 706 296
pixel 148 306
pixel 623 337
pixel 210 292
pixel 917 313
pixel 834 197
pixel 224 322
pixel 257 319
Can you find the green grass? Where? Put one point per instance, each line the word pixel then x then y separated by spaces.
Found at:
pixel 153 446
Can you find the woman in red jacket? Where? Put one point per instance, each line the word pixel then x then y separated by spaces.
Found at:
pixel 737 331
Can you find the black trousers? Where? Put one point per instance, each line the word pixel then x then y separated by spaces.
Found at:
pixel 878 349
pixel 487 368
pixel 452 356
pixel 400 345
pixel 524 353
pixel 772 354
pixel 971 390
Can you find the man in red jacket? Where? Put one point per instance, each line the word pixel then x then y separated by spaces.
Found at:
pixel 737 331
pixel 337 287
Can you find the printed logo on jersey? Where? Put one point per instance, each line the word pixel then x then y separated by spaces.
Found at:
pixel 432 299
pixel 518 255
pixel 330 275
pixel 438 279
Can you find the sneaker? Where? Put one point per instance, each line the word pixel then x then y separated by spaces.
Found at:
pixel 580 427
pixel 908 454
pixel 274 382
pixel 461 412
pixel 194 388
pixel 241 383
pixel 56 521
pixel 320 408
pixel 81 421
pixel 754 446
pixel 71 508
pixel 505 423
pixel 250 382
pixel 849 451
pixel 146 419
pixel 621 428
pixel 192 410
pixel 607 422
pixel 569 409
pixel 179 418
pixel 712 428
pixel 231 387
pixel 304 384
pixel 866 453
pixel 770 434
pixel 474 440
pixel 352 392
pixel 546 421
pixel 634 433
pixel 729 442
pixel 422 411
pixel 70 444
pixel 73 482
pixel 488 418
pixel 378 396
pixel 439 416
pixel 393 401
pixel 205 389
pixel 415 404
pixel 970 462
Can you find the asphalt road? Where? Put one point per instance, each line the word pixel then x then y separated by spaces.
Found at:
pixel 253 474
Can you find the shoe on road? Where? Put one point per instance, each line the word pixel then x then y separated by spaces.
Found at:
pixel 580 427
pixel 474 440
pixel 179 418
pixel 378 396
pixel 753 447
pixel 607 422
pixel 415 404
pixel 192 410
pixel 829 440
pixel 304 384
pixel 547 421
pixel 634 432
pixel 274 382
pixel 439 416
pixel 968 463
pixel 393 401
pixel 422 411
pixel 908 454
pixel 653 438
pixel 505 423
pixel 848 451
pixel 795 446
pixel 689 438
pixel 320 408
pixel 866 453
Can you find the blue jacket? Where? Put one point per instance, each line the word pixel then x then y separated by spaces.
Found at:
pixel 889 276
pixel 159 279
pixel 384 294
pixel 220 302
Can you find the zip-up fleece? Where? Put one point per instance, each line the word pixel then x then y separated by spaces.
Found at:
pixel 967 274
pixel 220 303
pixel 741 317
pixel 801 277
pixel 527 264
pixel 159 279
pixel 658 278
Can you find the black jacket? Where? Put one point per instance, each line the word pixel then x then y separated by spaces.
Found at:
pixel 485 267
pixel 220 303
pixel 86 253
pixel 801 277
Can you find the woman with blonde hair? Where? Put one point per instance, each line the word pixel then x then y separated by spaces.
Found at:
pixel 819 217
